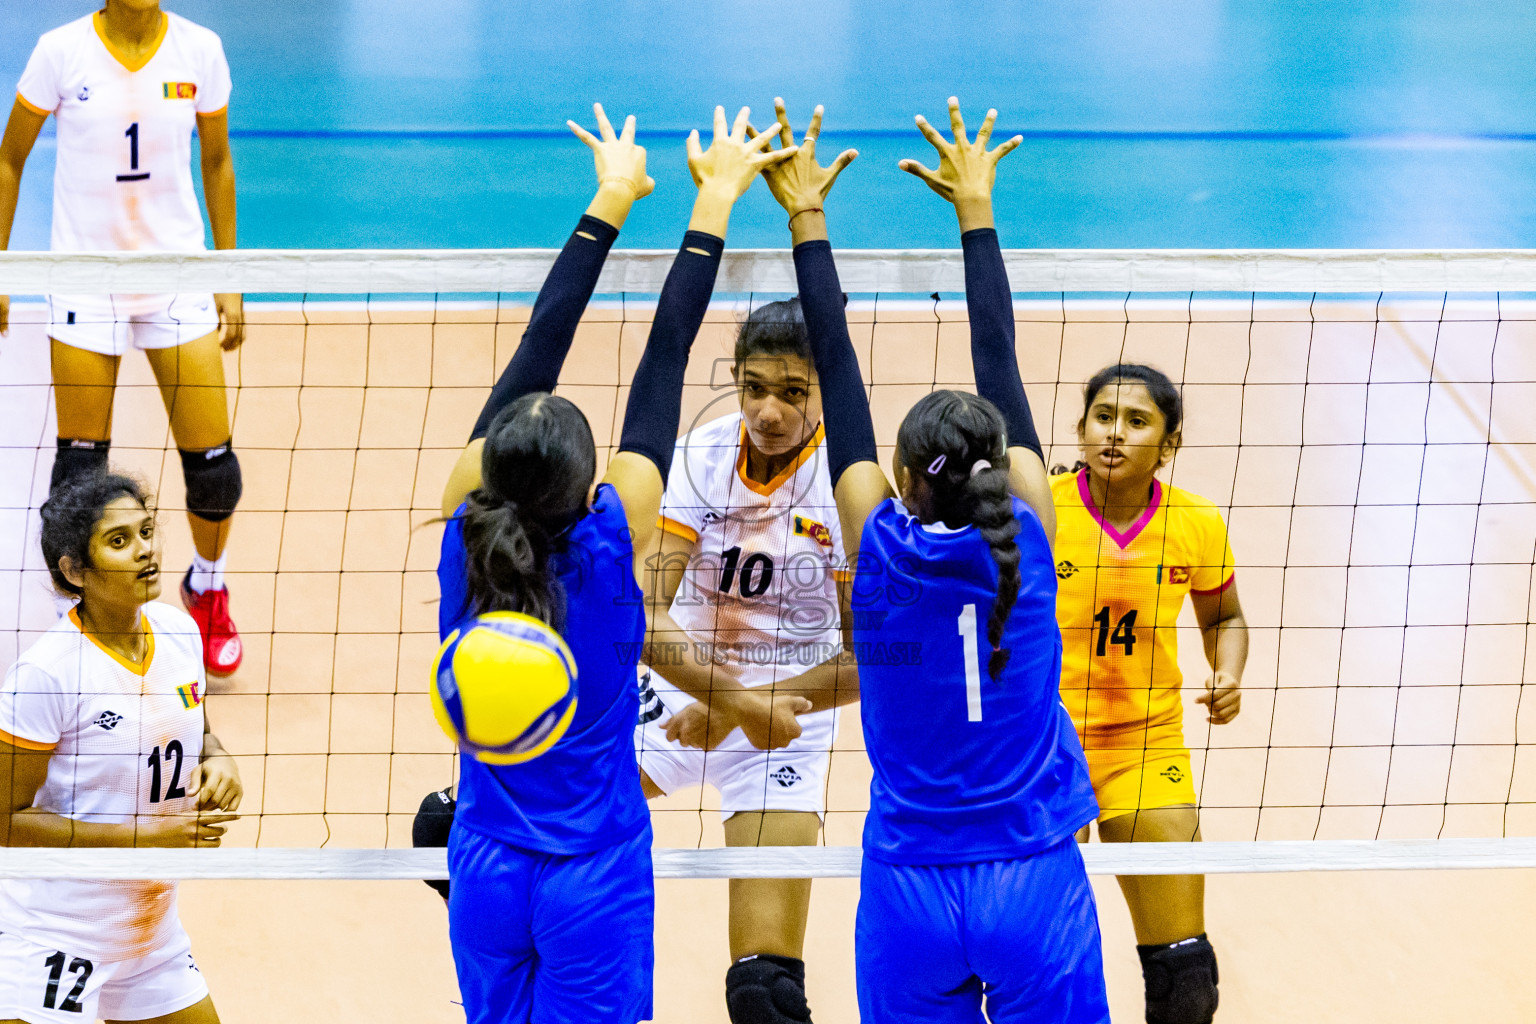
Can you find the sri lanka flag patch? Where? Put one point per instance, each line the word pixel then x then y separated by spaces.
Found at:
pixel 179 90
pixel 805 527
pixel 190 697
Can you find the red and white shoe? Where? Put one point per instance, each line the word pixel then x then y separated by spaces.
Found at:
pixel 222 649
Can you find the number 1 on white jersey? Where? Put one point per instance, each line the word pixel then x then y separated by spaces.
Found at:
pixel 967 629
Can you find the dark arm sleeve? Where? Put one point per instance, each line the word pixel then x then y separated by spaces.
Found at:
pixel 844 404
pixel 535 366
pixel 989 302
pixel 656 394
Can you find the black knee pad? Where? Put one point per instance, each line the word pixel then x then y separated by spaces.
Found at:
pixel 76 459
pixel 1181 981
pixel 213 482
pixel 434 820
pixel 767 989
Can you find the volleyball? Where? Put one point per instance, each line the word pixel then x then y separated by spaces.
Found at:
pixel 504 687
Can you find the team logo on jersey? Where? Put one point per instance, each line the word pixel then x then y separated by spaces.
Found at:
pixel 108 720
pixel 818 532
pixel 785 776
pixel 1065 570
pixel 179 90
pixel 1176 574
pixel 1173 773
pixel 84 93
pixel 190 697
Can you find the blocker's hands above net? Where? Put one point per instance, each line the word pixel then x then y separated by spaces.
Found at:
pixel 800 183
pixel 619 160
pixel 732 160
pixel 966 169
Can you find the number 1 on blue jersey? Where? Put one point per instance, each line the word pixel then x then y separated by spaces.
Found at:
pixel 967 629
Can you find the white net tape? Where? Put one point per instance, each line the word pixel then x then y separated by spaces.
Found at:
pixel 770 270
pixel 784 861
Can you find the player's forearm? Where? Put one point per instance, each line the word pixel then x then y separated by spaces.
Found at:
pixel 1226 646
pixel 687 663
pixel 31 827
pixel 10 192
pixel 219 193
pixel 832 684
pixel 612 203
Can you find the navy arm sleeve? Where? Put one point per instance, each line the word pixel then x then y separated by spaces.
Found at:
pixel 989 302
pixel 844 404
pixel 536 364
pixel 656 394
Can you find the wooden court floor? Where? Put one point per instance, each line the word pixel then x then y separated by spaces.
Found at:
pixel 1383 530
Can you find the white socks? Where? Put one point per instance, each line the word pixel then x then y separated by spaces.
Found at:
pixel 207 575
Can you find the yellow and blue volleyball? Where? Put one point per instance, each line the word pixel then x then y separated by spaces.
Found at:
pixel 504 687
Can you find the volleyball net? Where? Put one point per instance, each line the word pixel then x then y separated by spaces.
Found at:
pixel 1365 421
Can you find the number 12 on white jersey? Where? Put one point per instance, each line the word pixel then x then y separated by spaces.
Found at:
pixel 967 630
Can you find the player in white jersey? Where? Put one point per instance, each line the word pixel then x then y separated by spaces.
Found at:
pixel 127 85
pixel 104 743
pixel 745 592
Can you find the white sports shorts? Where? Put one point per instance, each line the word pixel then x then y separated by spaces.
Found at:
pixel 43 985
pixel 791 779
pixel 91 323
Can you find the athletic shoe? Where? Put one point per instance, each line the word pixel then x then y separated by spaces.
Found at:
pixel 222 650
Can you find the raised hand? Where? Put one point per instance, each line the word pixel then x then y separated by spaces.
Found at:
pixel 619 160
pixel 799 183
pixel 966 169
pixel 732 160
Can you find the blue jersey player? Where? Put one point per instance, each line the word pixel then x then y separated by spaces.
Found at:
pixel 974 901
pixel 551 903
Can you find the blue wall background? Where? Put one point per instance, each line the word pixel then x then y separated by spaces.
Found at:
pixel 1166 123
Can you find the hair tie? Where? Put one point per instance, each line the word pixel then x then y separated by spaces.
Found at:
pixel 978 466
pixel 936 465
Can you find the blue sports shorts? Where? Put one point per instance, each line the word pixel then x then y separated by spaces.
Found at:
pixel 933 943
pixel 551 939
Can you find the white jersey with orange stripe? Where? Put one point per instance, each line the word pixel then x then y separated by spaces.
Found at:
pixel 760 590
pixel 124 740
pixel 123 175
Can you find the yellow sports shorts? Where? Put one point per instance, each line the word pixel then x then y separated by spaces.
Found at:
pixel 1130 779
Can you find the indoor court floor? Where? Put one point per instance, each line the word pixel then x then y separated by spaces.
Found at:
pixel 1401 723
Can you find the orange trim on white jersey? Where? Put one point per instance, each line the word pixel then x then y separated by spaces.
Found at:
pixel 149 643
pixel 122 58
pixel 677 529
pixel 39 111
pixel 783 474
pixel 25 744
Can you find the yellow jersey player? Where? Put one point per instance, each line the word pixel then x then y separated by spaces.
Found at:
pixel 127 85
pixel 1128 551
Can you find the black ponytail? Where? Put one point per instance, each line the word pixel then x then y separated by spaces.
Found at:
pixel 957 443
pixel 536 469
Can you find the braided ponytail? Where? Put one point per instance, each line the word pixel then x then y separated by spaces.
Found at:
pixel 957 443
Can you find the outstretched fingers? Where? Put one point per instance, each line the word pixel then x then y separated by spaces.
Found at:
pixel 628 134
pixel 582 134
pixel 1006 148
pixel 722 131
pixel 814 130
pixel 844 158
pixel 739 129
pixel 956 122
pixel 931 134
pixel 931 177
pixel 603 125
pixel 984 133
pixel 786 134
